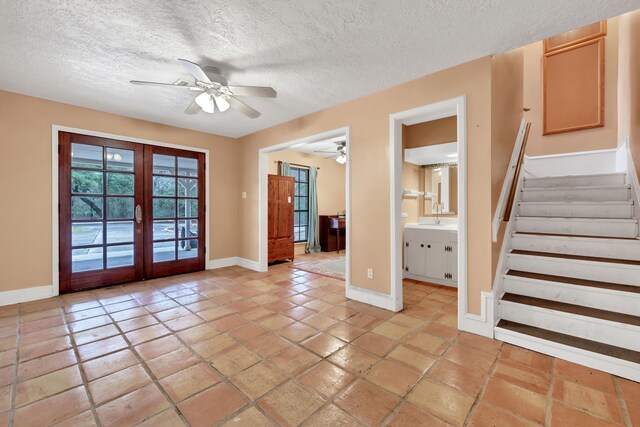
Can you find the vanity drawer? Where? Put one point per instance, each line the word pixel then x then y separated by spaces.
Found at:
pixel 453 236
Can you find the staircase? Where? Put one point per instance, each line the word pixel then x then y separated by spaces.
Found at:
pixel 572 285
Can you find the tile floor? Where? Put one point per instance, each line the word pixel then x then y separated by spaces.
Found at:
pixel 235 347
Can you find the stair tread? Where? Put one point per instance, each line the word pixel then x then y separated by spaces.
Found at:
pixel 573 309
pixel 581 236
pixel 572 341
pixel 533 178
pixel 576 257
pixel 559 218
pixel 580 187
pixel 574 281
pixel 580 202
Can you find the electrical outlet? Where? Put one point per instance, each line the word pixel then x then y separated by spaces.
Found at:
pixel 369 273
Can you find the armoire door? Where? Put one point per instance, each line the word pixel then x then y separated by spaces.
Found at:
pixel 100 195
pixel 128 211
pixel 280 217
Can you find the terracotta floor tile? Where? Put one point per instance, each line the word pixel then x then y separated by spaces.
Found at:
pixel 485 415
pixel 94 322
pixel 298 313
pixel 6 375
pixel 118 383
pixel 275 322
pixel 208 349
pixel 168 418
pixel 215 313
pixel 428 343
pixel 7 357
pixel 8 343
pixel 411 415
pixel 184 322
pixel 47 385
pixel 109 364
pixel 331 416
pixel 43 365
pixel 133 408
pixel 345 331
pixel 393 376
pixel 147 334
pixel 327 379
pixel 526 357
pixel 43 348
pixel 229 322
pixel 634 412
pixel 416 359
pixel 323 344
pixel 85 314
pixel 174 313
pixel 234 360
pixel 100 348
pixel 44 334
pixel 523 376
pixel 487 345
pixel 354 360
pixel 630 390
pixel 368 402
pixel 596 402
pixel 249 418
pixel 290 404
pixel 374 343
pixel 257 313
pixel 258 380
pixel 466 380
pixel 189 381
pixel 440 330
pixel 54 409
pixel 444 402
pixel 584 376
pixel 563 416
pixel 515 399
pixel 198 333
pixel 137 323
pixel 268 345
pixel 128 314
pixel 84 419
pixel 95 334
pixel 4 419
pixel 5 398
pixel 297 332
pixel 320 322
pixel 172 362
pixel 152 349
pixel 248 332
pixel 199 411
pixel 477 360
pixel 364 321
pixel 294 360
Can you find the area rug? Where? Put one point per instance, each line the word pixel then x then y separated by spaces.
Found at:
pixel 332 268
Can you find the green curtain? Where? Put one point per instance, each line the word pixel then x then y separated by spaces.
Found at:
pixel 313 233
pixel 285 169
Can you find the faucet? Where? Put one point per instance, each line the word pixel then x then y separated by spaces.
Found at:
pixel 437 206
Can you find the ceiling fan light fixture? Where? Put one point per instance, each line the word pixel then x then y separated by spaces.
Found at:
pixel 222 103
pixel 342 159
pixel 205 101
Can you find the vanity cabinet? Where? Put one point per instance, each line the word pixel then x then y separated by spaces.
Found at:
pixel 431 255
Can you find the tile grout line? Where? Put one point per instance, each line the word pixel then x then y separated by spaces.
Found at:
pixel 14 385
pixel 626 417
pixel 549 398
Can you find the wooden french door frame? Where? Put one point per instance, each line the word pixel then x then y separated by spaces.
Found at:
pixel 61 142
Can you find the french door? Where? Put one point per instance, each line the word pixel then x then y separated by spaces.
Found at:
pixel 128 211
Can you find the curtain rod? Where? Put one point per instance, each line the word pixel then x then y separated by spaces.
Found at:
pixel 279 162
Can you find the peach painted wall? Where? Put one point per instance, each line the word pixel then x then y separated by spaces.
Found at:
pixel 431 133
pixel 629 84
pixel 370 207
pixel 582 140
pixel 331 178
pixel 506 115
pixel 25 180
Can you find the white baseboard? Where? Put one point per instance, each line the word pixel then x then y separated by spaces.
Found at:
pixel 480 325
pixel 24 295
pixel 233 261
pixel 370 297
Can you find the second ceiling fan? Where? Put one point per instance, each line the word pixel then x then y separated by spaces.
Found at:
pixel 216 92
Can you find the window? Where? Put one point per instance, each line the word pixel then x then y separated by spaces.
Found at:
pixel 300 203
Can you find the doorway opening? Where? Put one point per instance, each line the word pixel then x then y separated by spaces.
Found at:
pixel 428 198
pixel 318 168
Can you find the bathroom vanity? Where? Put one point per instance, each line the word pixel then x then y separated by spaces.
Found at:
pixel 431 252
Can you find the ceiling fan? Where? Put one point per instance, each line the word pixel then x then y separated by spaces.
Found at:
pixel 216 92
pixel 340 154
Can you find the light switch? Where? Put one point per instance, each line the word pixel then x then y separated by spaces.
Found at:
pixel 244 194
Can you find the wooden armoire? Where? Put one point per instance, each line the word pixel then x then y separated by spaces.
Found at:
pixel 280 246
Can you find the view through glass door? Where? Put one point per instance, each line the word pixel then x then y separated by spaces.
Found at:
pixel 127 211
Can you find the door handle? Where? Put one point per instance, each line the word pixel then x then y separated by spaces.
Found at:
pixel 138 214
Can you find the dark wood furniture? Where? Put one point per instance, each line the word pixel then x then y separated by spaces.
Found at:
pixel 332 233
pixel 280 218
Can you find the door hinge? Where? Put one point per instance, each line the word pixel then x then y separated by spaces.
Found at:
pixel 59 149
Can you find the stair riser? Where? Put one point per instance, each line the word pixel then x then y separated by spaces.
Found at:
pixel 620 249
pixel 623 274
pixel 576 195
pixel 603 299
pixel 574 210
pixel 601 228
pixel 612 333
pixel 575 181
pixel 612 365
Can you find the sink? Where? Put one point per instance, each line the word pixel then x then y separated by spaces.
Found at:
pixel 441 226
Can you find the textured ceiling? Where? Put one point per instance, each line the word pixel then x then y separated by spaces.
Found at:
pixel 314 53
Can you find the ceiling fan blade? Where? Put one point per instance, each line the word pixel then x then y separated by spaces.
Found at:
pixel 243 108
pixel 143 83
pixel 195 70
pixel 265 92
pixel 193 108
pixel 325 152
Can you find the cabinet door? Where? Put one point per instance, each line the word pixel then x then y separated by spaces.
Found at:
pixel 414 257
pixel 437 260
pixel 453 261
